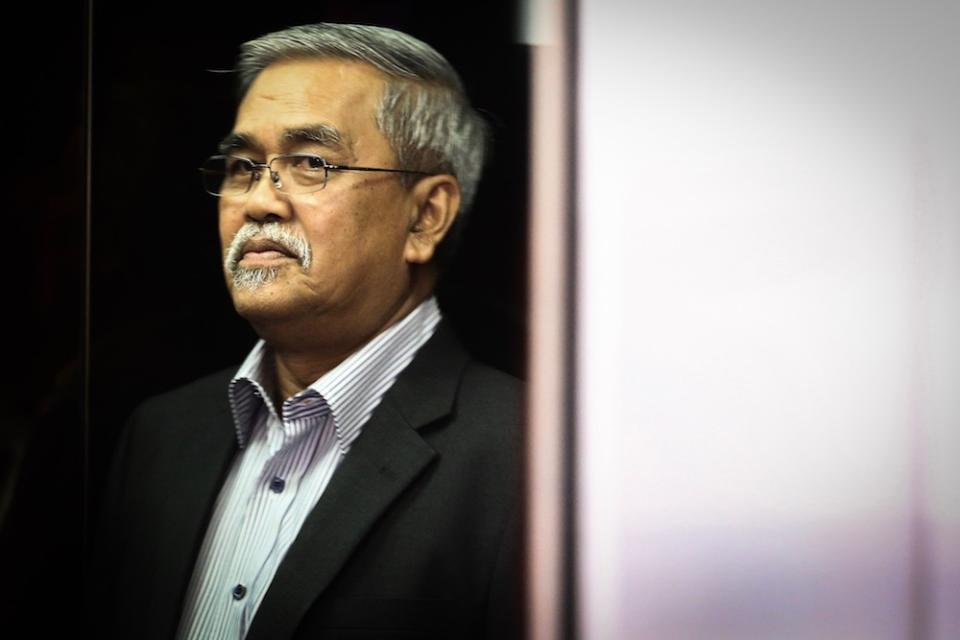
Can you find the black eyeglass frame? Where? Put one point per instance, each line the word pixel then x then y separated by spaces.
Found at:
pixel 257 168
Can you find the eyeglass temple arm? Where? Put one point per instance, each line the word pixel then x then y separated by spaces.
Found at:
pixel 343 167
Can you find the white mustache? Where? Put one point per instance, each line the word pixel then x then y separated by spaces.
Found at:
pixel 292 242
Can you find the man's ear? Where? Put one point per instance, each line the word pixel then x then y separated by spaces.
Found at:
pixel 437 202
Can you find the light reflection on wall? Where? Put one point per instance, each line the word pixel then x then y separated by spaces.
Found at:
pixel 769 319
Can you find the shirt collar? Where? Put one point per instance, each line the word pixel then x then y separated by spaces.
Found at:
pixel 351 391
pixel 250 389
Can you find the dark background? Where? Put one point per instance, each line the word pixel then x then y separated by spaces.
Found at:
pixel 159 314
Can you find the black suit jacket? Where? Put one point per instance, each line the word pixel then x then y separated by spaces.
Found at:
pixel 417 534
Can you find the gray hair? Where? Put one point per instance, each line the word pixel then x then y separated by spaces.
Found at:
pixel 424 112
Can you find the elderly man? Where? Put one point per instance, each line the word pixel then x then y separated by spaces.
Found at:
pixel 358 475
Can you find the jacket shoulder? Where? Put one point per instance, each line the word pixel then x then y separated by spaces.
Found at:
pixel 485 389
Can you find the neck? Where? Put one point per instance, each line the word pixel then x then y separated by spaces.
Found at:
pixel 302 357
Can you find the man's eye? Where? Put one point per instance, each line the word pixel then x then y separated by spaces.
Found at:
pixel 238 167
pixel 307 163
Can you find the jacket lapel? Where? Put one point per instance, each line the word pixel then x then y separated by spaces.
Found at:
pixel 382 463
pixel 208 443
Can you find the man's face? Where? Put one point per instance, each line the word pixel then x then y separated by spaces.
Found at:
pixel 354 230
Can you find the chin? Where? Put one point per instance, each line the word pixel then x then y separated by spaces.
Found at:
pixel 260 306
pixel 254 279
pixel 262 293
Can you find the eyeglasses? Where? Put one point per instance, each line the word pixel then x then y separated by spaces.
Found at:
pixel 294 173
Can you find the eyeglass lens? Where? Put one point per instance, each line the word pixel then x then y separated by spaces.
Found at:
pixel 234 175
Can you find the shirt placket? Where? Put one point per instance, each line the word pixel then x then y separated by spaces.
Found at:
pixel 261 516
pixel 292 448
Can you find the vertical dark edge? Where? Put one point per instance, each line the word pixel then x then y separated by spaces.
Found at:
pixel 570 608
pixel 526 599
pixel 87 263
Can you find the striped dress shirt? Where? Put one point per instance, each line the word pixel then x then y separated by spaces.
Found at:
pixel 285 462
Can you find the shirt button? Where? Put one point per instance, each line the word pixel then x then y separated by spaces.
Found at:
pixel 277 485
pixel 239 591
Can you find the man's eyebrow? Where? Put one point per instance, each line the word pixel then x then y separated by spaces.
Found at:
pixel 235 141
pixel 323 134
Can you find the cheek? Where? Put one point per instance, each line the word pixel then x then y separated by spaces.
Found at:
pixel 379 217
pixel 335 225
pixel 229 223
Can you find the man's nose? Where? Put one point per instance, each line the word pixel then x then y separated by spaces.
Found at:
pixel 264 203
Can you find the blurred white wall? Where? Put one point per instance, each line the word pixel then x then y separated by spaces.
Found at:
pixel 768 319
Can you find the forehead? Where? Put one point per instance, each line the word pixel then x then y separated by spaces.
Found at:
pixel 286 95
